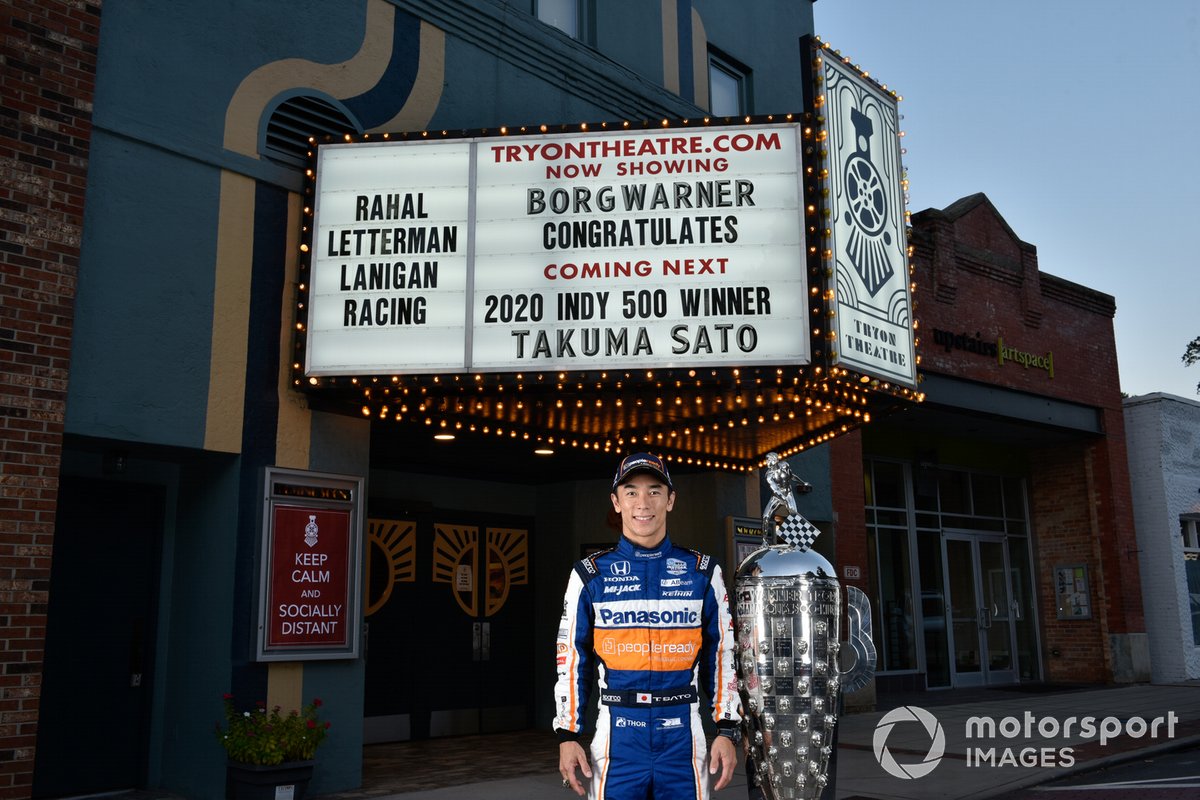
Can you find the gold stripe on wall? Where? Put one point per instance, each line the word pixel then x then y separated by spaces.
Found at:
pixel 670 46
pixel 293 434
pixel 285 685
pixel 235 237
pixel 347 79
pixel 231 312
pixel 235 234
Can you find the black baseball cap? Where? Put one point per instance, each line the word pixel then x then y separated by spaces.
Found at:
pixel 642 462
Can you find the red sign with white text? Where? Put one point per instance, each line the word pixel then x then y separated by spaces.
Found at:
pixel 308 581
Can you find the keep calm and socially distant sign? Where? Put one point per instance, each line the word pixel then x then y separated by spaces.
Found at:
pixel 610 250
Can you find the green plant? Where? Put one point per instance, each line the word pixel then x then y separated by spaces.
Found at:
pixel 271 737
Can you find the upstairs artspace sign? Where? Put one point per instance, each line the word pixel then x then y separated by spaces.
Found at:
pixel 669 248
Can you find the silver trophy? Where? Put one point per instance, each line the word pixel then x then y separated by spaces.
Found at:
pixel 789 611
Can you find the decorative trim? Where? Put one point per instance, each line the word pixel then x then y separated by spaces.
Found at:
pixel 347 79
pixel 426 92
pixel 231 315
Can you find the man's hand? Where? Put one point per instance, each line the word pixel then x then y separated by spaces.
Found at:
pixel 722 757
pixel 571 755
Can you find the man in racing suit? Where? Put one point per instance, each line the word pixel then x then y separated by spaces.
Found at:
pixel 654 620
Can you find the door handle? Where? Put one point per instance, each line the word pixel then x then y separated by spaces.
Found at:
pixel 985 618
pixel 487 641
pixel 476 641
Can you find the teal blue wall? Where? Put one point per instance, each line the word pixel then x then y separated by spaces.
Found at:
pixel 737 29
pixel 194 630
pixel 140 354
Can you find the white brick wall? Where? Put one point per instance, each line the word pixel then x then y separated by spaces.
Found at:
pixel 1163 437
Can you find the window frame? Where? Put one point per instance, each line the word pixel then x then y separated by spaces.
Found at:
pixel 582 30
pixel 740 74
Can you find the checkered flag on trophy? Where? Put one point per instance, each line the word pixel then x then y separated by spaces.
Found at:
pixel 796 531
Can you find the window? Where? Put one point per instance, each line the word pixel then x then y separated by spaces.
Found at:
pixel 895 640
pixel 1189 529
pixel 561 14
pixel 727 87
pixel 906 570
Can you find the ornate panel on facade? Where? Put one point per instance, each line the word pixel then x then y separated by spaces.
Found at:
pixel 396 542
pixel 507 565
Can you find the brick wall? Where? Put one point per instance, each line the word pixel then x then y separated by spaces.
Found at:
pixel 983 285
pixel 975 278
pixel 1060 494
pixel 47 72
pixel 846 485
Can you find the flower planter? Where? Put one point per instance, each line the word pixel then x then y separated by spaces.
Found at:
pixel 286 781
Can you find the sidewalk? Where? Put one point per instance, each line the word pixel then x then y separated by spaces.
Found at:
pixel 960 774
pixel 978 767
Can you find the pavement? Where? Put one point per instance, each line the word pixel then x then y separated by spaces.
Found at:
pixel 996 743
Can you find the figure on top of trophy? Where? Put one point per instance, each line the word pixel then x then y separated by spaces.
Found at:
pixel 791 528
pixel 783 484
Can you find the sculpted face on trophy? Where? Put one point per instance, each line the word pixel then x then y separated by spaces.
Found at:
pixel 789 612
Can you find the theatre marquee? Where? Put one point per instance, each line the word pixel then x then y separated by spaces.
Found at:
pixel 608 249
pixel 710 289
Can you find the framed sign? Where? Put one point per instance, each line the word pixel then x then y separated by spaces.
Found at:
pixel 1072 594
pixel 745 535
pixel 868 242
pixel 309 594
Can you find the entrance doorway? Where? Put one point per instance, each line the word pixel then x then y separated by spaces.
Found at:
pixel 96 679
pixel 982 607
pixel 450 646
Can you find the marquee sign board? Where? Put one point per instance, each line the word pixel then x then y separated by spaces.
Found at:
pixel 873 320
pixel 680 247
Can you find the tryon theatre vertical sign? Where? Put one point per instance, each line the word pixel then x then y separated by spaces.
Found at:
pixel 309 597
pixel 873 319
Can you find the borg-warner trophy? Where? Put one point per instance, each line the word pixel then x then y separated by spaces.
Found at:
pixel 789 610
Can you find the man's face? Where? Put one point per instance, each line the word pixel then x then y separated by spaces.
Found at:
pixel 643 501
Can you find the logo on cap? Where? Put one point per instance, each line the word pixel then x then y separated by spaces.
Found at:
pixel 647 462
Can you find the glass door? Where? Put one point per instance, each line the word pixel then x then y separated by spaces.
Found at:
pixel 980 609
pixel 996 610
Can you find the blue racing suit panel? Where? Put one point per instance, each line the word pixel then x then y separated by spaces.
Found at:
pixel 653 625
pixel 575 662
